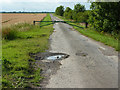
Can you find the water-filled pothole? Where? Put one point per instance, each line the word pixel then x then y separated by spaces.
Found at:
pixel 49 56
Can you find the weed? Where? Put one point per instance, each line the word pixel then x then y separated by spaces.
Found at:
pixel 9 34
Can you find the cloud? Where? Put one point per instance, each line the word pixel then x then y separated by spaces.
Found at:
pixel 10 1
pixel 6 1
pixel 12 5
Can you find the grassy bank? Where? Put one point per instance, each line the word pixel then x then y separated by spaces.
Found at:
pixel 102 37
pixel 18 42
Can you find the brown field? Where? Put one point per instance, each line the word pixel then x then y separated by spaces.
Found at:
pixel 10 18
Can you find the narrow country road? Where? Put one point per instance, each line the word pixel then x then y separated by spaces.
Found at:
pixel 91 64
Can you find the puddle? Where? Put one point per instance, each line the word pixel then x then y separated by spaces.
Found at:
pixel 49 56
pixel 55 57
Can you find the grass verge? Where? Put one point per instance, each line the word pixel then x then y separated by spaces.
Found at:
pixel 17 68
pixel 102 37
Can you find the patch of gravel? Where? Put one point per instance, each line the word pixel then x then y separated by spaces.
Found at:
pixel 48 68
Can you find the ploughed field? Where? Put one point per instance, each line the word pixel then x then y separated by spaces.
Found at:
pixel 15 18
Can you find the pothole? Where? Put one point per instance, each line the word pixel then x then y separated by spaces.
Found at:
pixel 49 56
pixel 81 54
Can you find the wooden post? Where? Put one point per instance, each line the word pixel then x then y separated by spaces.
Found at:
pixel 86 24
pixel 40 24
pixel 33 22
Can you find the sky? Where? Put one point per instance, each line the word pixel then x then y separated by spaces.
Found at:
pixel 38 5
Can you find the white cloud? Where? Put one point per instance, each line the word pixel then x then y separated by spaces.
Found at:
pixel 6 1
pixel 10 1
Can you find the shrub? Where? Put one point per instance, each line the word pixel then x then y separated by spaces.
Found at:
pixel 12 32
pixel 9 33
pixel 105 16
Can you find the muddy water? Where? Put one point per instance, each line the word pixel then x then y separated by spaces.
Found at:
pixel 49 56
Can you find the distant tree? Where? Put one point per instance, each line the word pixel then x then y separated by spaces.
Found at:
pixel 59 10
pixel 68 13
pixel 74 15
pixel 67 9
pixel 79 8
pixel 78 14
pixel 83 17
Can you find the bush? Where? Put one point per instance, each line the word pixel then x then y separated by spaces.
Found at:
pixel 105 17
pixel 9 33
pixel 12 32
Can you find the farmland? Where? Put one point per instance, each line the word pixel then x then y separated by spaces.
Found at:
pixel 14 18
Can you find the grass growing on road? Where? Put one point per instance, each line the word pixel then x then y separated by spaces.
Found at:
pixel 102 37
pixel 18 70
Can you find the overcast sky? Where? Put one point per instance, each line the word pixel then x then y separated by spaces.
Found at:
pixel 39 5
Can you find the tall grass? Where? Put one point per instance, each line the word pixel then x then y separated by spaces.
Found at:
pixel 11 32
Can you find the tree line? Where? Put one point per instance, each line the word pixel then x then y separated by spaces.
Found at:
pixel 103 16
pixel 75 14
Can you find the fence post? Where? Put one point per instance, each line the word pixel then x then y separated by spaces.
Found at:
pixel 86 24
pixel 33 22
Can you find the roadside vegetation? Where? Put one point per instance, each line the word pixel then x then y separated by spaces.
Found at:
pixel 102 22
pixel 18 42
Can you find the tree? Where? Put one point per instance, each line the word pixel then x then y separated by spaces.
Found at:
pixel 67 9
pixel 83 17
pixel 59 10
pixel 68 13
pixel 79 8
pixel 105 16
pixel 74 15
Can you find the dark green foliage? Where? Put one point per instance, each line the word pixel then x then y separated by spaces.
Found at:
pixel 78 14
pixel 68 9
pixel 6 64
pixel 68 13
pixel 59 10
pixel 6 83
pixel 74 16
pixel 82 16
pixel 79 8
pixel 105 16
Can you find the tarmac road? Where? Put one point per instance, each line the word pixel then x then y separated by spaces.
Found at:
pixel 91 64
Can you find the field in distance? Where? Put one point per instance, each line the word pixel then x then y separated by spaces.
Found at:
pixel 14 18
